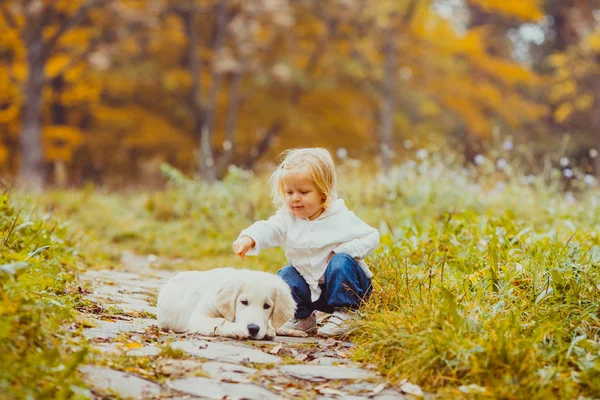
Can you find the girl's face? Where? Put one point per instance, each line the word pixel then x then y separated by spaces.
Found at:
pixel 301 195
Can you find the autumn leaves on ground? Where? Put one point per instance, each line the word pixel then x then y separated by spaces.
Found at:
pixel 488 291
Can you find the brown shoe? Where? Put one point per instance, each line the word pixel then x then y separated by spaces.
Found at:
pixel 307 325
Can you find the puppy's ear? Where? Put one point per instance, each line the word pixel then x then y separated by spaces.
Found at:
pixel 226 299
pixel 284 305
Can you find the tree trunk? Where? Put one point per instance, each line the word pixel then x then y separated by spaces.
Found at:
pixel 595 128
pixel 388 104
pixel 31 172
pixel 231 121
pixel 263 145
pixel 209 171
pixel 189 18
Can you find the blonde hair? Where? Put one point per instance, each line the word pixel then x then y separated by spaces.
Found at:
pixel 321 169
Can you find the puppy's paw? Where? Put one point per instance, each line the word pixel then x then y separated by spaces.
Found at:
pixel 271 333
pixel 291 332
pixel 233 330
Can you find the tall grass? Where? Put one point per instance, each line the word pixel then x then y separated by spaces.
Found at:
pixel 487 284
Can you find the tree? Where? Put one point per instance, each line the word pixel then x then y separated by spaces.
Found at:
pixel 41 26
pixel 427 66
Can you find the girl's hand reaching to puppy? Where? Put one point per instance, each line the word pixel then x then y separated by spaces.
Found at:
pixel 242 245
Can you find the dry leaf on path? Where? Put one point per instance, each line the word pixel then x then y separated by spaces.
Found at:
pixel 379 388
pixel 411 388
pixel 275 349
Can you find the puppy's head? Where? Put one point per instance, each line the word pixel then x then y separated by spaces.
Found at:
pixel 252 303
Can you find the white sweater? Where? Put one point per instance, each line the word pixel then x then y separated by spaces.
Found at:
pixel 307 244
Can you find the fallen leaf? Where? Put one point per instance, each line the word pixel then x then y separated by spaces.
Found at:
pixel 134 345
pixel 275 349
pixel 379 388
pixel 411 388
pixel 331 391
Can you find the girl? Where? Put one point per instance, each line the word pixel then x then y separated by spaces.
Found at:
pixel 324 242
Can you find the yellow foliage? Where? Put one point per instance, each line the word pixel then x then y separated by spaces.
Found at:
pixel 177 80
pixel 563 112
pixel 56 64
pixel 510 73
pixel 143 129
pixel 60 142
pixel 562 90
pixel 523 9
pixel 593 41
pixel 585 102
pixel 10 98
pixel 473 116
pixel 3 154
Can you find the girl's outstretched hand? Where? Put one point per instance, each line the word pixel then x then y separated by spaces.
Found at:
pixel 242 245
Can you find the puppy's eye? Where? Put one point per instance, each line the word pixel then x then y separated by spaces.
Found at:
pixel 266 306
pixel 245 302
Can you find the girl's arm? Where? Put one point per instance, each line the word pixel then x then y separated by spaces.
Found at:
pixel 269 233
pixel 365 239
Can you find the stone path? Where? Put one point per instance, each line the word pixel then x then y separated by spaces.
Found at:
pixel 132 358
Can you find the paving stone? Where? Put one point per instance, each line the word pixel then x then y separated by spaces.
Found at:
pixel 228 372
pixel 124 384
pixel 116 299
pixel 110 275
pixel 224 352
pixel 145 351
pixel 137 308
pixel 110 330
pixel 122 291
pixel 212 389
pixel 372 391
pixel 107 348
pixel 178 367
pixel 361 387
pixel 318 373
pixel 298 340
pixel 329 361
pixel 390 395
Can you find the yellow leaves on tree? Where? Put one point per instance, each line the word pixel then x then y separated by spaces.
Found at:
pixel 3 154
pixel 573 88
pixel 131 128
pixel 525 10
pixel 61 141
pixel 467 80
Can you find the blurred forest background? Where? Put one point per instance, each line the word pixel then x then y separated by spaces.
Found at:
pixel 106 91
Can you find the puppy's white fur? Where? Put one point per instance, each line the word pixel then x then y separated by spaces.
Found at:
pixel 226 302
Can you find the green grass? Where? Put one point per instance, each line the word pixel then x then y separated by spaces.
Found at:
pixel 38 352
pixel 486 281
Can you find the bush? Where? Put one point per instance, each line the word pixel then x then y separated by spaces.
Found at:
pixel 37 267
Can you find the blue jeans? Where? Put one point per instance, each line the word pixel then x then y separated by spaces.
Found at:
pixel 346 286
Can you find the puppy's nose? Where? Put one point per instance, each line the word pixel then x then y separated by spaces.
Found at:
pixel 253 329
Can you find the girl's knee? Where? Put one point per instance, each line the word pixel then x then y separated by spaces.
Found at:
pixel 342 261
pixel 292 277
pixel 288 272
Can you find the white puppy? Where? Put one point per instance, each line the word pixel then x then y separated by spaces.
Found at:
pixel 230 302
